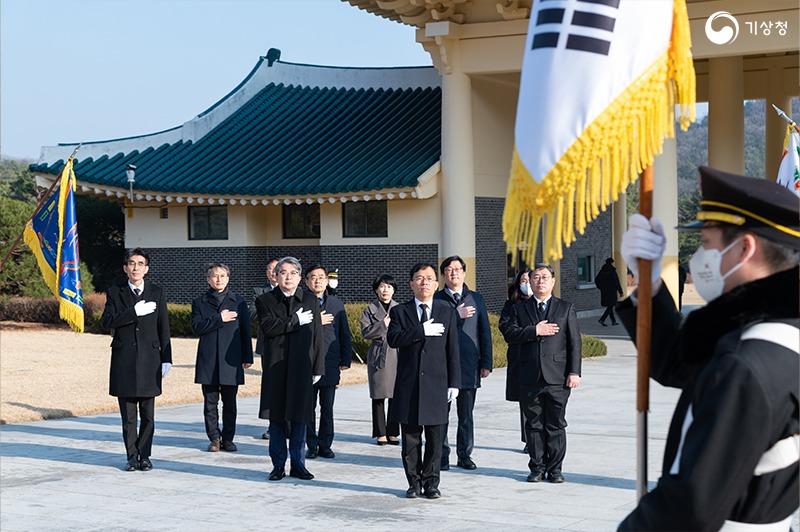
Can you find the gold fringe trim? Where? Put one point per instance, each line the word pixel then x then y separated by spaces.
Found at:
pixel 609 155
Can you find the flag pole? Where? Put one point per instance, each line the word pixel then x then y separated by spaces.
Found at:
pixel 644 320
pixel 789 120
pixel 39 206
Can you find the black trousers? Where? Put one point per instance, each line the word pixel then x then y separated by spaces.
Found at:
pixel 465 435
pixel 545 407
pixel 324 437
pixel 422 471
pixel 609 312
pixel 138 444
pixel 380 427
pixel 211 394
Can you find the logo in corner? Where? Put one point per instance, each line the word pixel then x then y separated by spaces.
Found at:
pixel 728 32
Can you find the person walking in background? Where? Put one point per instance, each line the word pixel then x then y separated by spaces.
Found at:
pixel 425 335
pixel 293 361
pixel 222 321
pixel 546 329
pixel 141 354
pixel 607 282
pixel 381 359
pixel 475 350
pixel 272 282
pixel 519 290
pixel 338 348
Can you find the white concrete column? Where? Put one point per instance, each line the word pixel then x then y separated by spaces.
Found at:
pixel 665 208
pixel 776 126
pixel 458 175
pixel 726 114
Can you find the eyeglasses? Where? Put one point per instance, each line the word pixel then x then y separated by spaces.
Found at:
pixel 289 273
pixel 317 278
pixel 448 271
pixel 134 263
pixel 420 280
pixel 538 278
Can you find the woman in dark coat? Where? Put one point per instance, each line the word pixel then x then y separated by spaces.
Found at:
pixel 519 291
pixel 222 321
pixel 607 282
pixel 381 359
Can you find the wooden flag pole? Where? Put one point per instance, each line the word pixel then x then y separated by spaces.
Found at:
pixel 644 320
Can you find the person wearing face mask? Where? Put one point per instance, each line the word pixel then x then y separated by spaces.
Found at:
pixel 518 291
pixel 733 446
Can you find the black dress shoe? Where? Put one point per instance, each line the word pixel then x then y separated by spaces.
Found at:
pixel 433 493
pixel 466 463
pixel 382 442
pixel 602 323
pixel 300 472
pixel 265 436
pixel 536 476
pixel 613 323
pixel 132 465
pixel 555 478
pixel 326 453
pixel 445 465
pixel 414 492
pixel 145 464
pixel 311 454
pixel 229 446
pixel 393 442
pixel 277 473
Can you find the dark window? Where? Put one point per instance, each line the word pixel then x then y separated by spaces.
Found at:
pixel 364 219
pixel 585 269
pixel 208 223
pixel 301 221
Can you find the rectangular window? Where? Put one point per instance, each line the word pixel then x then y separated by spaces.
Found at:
pixel 301 221
pixel 208 223
pixel 364 219
pixel 585 270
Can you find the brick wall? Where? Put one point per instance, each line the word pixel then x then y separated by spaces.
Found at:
pixel 490 252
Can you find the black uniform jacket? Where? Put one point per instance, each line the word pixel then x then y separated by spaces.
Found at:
pixel 293 354
pixel 140 343
pixel 338 343
pixel 426 365
pixel 743 399
pixel 223 347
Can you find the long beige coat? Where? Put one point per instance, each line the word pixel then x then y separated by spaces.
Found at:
pixel 381 359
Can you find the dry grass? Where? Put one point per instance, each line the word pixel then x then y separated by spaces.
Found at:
pixel 49 372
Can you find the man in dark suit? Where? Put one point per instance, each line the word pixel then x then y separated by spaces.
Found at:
pixel 425 335
pixel 546 329
pixel 221 319
pixel 475 345
pixel 272 282
pixel 293 361
pixel 141 354
pixel 338 349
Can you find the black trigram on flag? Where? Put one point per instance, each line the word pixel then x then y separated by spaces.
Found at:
pixel 582 17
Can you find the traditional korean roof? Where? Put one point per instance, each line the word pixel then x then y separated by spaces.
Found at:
pixel 288 130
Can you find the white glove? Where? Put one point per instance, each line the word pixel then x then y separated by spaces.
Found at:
pixel 305 317
pixel 315 378
pixel 165 367
pixel 452 393
pixel 644 239
pixel 433 329
pixel 143 308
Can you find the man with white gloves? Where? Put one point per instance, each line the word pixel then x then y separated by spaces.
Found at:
pixel 293 360
pixel 141 354
pixel 425 333
pixel 730 461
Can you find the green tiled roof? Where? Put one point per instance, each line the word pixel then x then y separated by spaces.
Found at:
pixel 286 130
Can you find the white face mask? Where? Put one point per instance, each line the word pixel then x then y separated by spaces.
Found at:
pixel 333 283
pixel 526 289
pixel 706 274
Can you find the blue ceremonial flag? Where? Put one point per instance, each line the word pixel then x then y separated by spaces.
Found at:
pixel 52 235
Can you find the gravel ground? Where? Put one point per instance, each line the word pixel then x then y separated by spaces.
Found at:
pixel 51 372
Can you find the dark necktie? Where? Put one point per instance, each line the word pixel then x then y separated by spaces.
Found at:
pixel 321 302
pixel 542 308
pixel 424 308
pixel 137 292
pixel 457 298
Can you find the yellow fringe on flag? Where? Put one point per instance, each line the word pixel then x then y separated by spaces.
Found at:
pixel 609 155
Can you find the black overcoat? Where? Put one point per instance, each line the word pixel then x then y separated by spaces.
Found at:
pixel 338 343
pixel 426 365
pixel 553 357
pixel 512 354
pixel 607 282
pixel 140 344
pixel 223 347
pixel 293 354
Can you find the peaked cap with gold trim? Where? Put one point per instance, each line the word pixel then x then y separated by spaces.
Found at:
pixel 758 205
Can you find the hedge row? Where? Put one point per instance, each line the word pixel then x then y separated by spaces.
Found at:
pixel 27 309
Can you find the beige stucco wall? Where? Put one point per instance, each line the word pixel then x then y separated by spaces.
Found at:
pixel 494 107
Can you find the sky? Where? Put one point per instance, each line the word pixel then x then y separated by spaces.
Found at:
pixel 88 70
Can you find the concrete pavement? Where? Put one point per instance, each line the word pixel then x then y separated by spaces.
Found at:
pixel 68 474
